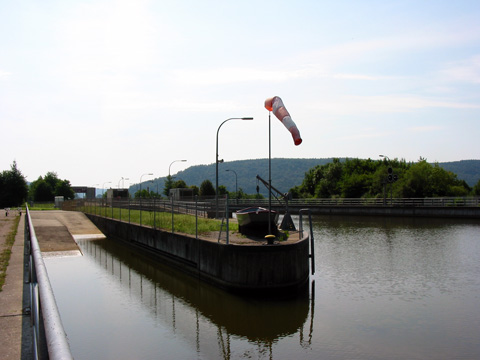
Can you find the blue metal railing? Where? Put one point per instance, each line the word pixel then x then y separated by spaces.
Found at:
pixel 45 319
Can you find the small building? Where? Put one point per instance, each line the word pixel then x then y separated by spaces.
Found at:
pixel 117 194
pixel 184 194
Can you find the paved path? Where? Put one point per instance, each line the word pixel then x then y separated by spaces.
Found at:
pixel 15 340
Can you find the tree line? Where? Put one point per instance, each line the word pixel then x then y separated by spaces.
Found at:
pixel 14 189
pixel 351 178
pixel 206 189
pixel 367 178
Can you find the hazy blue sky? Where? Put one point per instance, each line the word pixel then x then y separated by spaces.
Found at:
pixel 99 90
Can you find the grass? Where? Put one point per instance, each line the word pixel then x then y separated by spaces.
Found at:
pixel 42 206
pixel 7 251
pixel 163 220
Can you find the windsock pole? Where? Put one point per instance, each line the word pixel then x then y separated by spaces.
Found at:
pixel 269 172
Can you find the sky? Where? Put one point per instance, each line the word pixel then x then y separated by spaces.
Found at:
pixel 100 90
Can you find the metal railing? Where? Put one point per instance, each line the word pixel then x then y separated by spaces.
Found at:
pixel 44 316
pixel 400 202
pixel 157 213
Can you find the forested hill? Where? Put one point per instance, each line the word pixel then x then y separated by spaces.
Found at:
pixel 286 173
pixel 468 170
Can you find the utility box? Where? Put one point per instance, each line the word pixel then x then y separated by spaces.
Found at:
pixel 59 201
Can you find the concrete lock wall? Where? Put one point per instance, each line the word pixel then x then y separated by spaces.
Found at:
pixel 234 267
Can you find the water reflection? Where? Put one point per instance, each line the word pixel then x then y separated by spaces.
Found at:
pixel 391 288
pixel 179 301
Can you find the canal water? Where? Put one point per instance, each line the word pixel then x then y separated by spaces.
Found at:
pixel 384 288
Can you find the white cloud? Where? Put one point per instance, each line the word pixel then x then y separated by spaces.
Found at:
pixel 422 129
pixel 464 71
pixel 386 104
pixel 4 74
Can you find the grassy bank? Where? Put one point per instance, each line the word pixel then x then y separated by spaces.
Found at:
pixel 7 251
pixel 163 220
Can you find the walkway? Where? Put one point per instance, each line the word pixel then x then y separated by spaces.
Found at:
pixel 15 329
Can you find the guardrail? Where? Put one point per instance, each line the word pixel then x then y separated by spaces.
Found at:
pixel 44 316
pixel 405 202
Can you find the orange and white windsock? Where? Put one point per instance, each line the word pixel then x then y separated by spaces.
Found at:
pixel 275 104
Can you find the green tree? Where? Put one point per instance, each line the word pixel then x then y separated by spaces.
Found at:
pixel 63 188
pixel 206 188
pixel 196 189
pixel 13 187
pixel 222 190
pixel 476 189
pixel 41 191
pixel 47 187
pixel 180 184
pixel 168 185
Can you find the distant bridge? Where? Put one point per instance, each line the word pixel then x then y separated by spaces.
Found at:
pixel 88 191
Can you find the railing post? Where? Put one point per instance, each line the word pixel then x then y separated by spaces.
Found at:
pixel 226 216
pixel 196 217
pixel 312 247
pixel 173 228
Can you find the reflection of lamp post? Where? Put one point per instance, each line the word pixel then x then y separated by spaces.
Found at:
pixel 141 196
pixel 236 187
pixel 217 161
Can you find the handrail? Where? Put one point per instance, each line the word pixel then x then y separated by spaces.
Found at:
pixel 43 302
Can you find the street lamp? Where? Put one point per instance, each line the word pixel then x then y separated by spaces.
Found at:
pixel 141 183
pixel 121 179
pixel 385 182
pixel 169 183
pixel 141 196
pixel 103 187
pixel 236 187
pixel 174 161
pixel 217 161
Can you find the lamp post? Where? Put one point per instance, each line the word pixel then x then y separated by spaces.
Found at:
pixel 141 195
pixel 95 190
pixel 385 182
pixel 170 182
pixel 236 183
pixel 174 161
pixel 103 187
pixel 218 161
pixel 121 179
pixel 103 193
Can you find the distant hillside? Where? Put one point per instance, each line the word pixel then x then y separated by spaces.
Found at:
pixel 468 170
pixel 286 173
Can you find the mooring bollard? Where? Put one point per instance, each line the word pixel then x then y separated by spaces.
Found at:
pixel 270 239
